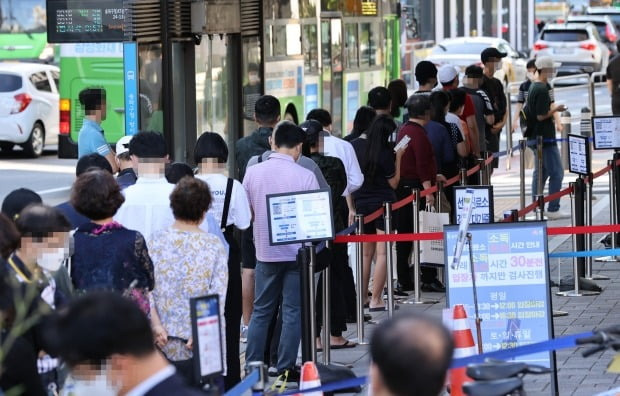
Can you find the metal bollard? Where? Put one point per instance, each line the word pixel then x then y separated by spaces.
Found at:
pixel 389 262
pixel 585 125
pixel 522 148
pixel 566 123
pixel 592 96
pixel 326 315
pixel 463 176
pixel 575 292
pixel 359 266
pixel 416 252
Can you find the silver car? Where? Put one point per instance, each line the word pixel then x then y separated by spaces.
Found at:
pixel 577 46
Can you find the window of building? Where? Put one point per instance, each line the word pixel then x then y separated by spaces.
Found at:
pixel 351 47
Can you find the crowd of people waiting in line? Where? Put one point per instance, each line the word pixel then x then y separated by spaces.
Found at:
pixel 159 234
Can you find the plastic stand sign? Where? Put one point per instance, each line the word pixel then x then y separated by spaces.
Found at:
pixel 579 155
pixel 298 217
pixel 482 200
pixel 207 336
pixel 606 131
pixel 512 281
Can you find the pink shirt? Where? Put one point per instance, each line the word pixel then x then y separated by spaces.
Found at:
pixel 279 174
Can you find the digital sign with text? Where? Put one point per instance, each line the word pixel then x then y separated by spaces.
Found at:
pixel 70 21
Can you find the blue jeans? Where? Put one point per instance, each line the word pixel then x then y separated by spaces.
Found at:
pixel 272 281
pixel 552 170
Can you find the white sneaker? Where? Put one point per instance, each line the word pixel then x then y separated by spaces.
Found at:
pixel 244 334
pixel 557 215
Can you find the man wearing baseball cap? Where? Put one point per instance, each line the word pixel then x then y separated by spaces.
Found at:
pixel 542 110
pixel 448 76
pixel 126 175
pixel 492 61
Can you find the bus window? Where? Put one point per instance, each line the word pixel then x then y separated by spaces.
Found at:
pixel 351 54
pixel 310 48
pixel 278 9
pixel 370 53
pixel 279 40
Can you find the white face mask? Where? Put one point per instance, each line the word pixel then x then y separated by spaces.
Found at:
pixel 98 386
pixel 51 260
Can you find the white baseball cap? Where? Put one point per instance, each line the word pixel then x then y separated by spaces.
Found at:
pixel 122 146
pixel 447 73
pixel 546 62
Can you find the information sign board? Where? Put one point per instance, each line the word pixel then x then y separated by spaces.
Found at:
pixel 606 130
pixel 296 217
pixel 512 279
pixel 207 336
pixel 483 210
pixel 74 21
pixel 578 155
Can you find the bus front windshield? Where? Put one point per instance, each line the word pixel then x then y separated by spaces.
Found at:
pixel 22 16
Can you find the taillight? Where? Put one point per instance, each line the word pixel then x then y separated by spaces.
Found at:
pixel 611 36
pixel 588 46
pixel 22 101
pixel 65 116
pixel 540 46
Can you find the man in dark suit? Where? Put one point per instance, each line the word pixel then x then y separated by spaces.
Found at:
pixel 107 342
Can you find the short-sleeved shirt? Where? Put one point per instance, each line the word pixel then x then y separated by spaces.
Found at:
pixel 539 103
pixel 613 73
pixel 304 161
pixel 525 87
pixel 468 109
pixel 91 139
pixel 376 189
pixel 418 161
pixel 239 212
pixel 439 137
pixel 483 106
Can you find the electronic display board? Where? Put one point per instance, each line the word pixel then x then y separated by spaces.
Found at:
pixel 71 21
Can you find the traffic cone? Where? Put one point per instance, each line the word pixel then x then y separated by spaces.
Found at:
pixel 309 379
pixel 463 346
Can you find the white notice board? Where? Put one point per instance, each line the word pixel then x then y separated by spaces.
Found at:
pixel 305 216
pixel 483 211
pixel 606 130
pixel 578 155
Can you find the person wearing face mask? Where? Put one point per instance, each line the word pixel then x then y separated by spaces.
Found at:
pixel 108 344
pixel 277 272
pixel 37 262
pixel 492 62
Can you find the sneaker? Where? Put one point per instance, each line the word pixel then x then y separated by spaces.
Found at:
pixel 244 334
pixel 286 377
pixel 557 215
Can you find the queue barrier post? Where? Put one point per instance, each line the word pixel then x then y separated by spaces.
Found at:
pixel 463 176
pixel 483 173
pixel 565 120
pixel 511 216
pixel 575 292
pixel 307 259
pixel 540 185
pixel 327 326
pixel 261 384
pixel 439 193
pixel 612 210
pixel 588 222
pixel 522 148
pixel 508 130
pixel 359 280
pixel 387 216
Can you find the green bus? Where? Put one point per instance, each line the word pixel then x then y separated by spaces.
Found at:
pixel 23 31
pixel 87 65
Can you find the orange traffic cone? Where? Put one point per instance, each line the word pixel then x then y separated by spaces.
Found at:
pixel 463 346
pixel 309 379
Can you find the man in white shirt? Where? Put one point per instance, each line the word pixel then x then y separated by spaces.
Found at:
pixel 107 342
pixel 340 148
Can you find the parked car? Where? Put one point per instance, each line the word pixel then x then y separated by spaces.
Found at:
pixel 577 46
pixel 605 26
pixel 28 106
pixel 612 12
pixel 465 51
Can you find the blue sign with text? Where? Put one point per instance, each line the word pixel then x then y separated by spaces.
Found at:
pixel 132 100
pixel 512 281
pixel 353 94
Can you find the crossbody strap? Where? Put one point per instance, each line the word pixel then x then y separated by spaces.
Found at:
pixel 227 198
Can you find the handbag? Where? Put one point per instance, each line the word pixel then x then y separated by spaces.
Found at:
pixel 432 252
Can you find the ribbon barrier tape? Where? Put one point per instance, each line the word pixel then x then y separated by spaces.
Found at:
pixel 245 385
pixel 591 253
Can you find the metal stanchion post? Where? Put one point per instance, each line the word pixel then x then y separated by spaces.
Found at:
pixel 260 385
pixel 439 192
pixel 307 259
pixel 592 96
pixel 359 275
pixel 522 148
pixel 575 292
pixel 416 252
pixel 540 186
pixel 588 236
pixel 482 173
pixel 612 211
pixel 463 176
pixel 326 315
pixel 389 262
pixel 508 130
pixel 566 127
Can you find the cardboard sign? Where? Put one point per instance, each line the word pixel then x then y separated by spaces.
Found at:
pixel 512 279
pixel 296 217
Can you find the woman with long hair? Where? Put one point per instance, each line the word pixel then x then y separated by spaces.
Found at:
pixel 381 169
pixel 361 122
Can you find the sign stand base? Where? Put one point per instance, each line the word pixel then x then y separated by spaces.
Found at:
pixel 581 293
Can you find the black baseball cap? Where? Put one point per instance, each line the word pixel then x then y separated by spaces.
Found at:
pixel 18 200
pixel 491 52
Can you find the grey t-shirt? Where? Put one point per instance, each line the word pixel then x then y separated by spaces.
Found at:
pixel 302 161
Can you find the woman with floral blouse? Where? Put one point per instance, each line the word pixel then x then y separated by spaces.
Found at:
pixel 189 262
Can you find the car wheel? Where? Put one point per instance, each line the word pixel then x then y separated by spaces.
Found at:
pixel 6 146
pixel 34 146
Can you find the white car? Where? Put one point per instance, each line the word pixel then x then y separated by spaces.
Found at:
pixel 465 51
pixel 28 106
pixel 577 46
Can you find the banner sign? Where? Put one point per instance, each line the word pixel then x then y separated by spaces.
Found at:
pixel 512 281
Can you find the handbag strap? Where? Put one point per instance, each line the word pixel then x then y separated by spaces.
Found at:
pixel 227 199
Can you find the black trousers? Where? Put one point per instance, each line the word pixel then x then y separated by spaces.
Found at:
pixel 232 313
pixel 404 225
pixel 337 307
